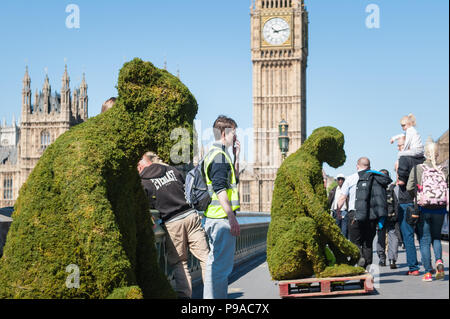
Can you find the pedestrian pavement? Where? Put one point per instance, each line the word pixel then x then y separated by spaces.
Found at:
pixel 252 280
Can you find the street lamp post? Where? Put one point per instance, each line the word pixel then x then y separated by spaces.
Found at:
pixel 283 138
pixel 258 178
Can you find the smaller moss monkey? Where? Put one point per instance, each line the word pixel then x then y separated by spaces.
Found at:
pixel 302 233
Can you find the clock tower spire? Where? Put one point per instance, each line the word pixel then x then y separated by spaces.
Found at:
pixel 279 49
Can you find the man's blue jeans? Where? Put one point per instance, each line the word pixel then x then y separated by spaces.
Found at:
pixel 429 229
pixel 342 223
pixel 220 259
pixel 408 238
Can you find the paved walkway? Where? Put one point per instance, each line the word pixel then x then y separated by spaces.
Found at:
pixel 252 281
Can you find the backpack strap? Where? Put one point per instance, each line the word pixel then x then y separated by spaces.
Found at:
pixel 415 188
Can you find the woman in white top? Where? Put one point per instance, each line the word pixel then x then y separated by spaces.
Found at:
pixel 413 143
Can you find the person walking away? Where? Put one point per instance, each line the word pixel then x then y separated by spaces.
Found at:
pixel 333 198
pixel 220 217
pixel 164 186
pixel 429 183
pixel 366 190
pixel 390 229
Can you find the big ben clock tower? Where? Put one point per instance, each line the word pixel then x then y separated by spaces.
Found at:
pixel 279 46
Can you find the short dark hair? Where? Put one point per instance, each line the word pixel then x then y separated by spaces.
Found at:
pixel 221 124
pixel 385 172
pixel 108 104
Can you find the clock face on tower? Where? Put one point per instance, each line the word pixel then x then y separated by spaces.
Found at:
pixel 276 31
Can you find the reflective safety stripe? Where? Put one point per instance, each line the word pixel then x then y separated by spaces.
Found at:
pixel 217 203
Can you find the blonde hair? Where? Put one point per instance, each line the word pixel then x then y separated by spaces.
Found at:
pixel 410 119
pixel 431 152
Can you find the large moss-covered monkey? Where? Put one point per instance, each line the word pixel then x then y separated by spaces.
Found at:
pixel 83 205
pixel 301 227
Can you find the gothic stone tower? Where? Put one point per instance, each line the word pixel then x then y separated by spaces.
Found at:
pixel 279 46
pixel 46 119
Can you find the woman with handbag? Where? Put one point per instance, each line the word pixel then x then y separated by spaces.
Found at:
pixel 429 184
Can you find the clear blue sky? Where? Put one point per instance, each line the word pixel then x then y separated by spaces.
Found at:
pixel 359 80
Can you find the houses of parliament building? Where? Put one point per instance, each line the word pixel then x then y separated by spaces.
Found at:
pixel 42 120
pixel 279 51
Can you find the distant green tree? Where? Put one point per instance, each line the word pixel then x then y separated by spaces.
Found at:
pixel 83 203
pixel 331 186
pixel 301 228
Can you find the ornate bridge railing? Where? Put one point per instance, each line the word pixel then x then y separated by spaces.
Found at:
pixel 251 242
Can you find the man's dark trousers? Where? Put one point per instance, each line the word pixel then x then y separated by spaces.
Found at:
pixel 362 234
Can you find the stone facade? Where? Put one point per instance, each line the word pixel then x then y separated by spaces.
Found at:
pixel 279 93
pixel 41 123
pixel 443 149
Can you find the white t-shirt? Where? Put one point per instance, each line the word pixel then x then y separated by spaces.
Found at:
pixel 337 195
pixel 349 190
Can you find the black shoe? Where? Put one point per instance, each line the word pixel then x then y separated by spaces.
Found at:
pixel 392 264
pixel 382 263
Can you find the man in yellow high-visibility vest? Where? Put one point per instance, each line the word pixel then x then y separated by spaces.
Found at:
pixel 221 224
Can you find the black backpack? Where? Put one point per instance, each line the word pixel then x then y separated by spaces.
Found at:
pixel 362 196
pixel 392 203
pixel 196 190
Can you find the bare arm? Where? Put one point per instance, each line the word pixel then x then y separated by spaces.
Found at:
pixel 341 202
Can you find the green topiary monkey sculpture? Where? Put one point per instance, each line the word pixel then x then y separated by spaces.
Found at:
pixel 83 204
pixel 301 227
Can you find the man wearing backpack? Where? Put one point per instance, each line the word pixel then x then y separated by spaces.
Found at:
pixel 366 191
pixel 164 186
pixel 221 224
pixel 429 183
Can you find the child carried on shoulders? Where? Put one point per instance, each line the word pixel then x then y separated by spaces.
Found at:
pixel 413 142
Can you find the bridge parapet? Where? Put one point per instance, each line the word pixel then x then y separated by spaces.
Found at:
pixel 251 242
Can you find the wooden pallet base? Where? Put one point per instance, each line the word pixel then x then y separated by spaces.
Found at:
pixel 319 287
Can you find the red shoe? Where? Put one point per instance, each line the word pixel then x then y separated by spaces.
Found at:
pixel 413 273
pixel 439 270
pixel 427 277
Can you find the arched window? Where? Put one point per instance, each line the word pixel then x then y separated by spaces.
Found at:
pixel 45 140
